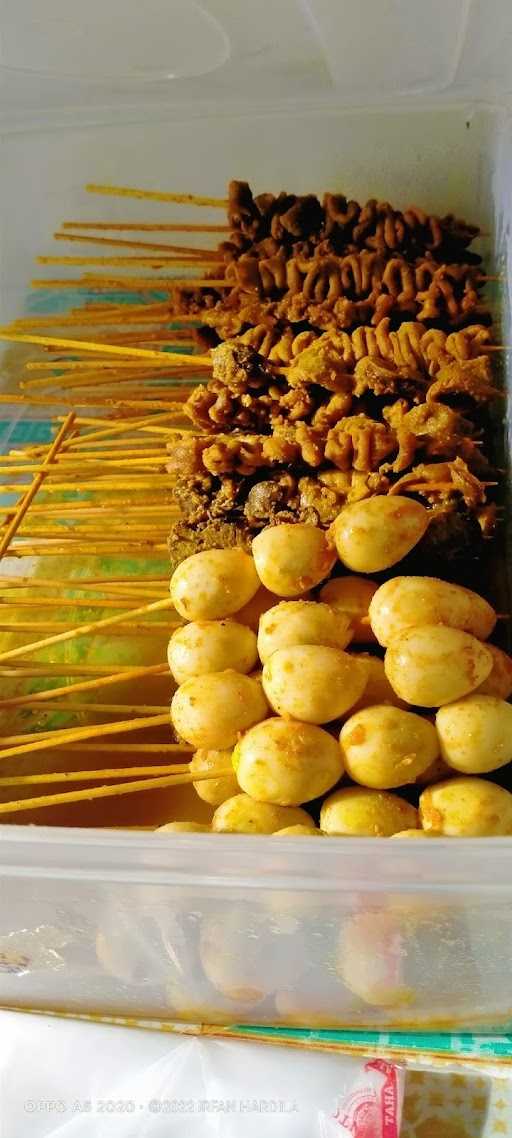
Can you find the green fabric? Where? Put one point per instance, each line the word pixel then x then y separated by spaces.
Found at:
pixel 495 1046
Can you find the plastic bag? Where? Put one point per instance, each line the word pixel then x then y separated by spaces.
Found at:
pixel 74 1079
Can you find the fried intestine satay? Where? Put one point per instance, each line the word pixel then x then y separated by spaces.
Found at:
pixel 355 442
pixel 410 350
pixel 412 345
pixel 446 301
pixel 366 281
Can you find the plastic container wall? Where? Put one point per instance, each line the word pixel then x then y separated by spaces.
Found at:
pixel 240 929
pixel 228 929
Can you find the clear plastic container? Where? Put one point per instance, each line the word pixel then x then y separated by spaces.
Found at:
pixel 401 101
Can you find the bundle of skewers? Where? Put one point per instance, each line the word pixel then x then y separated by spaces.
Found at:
pixel 352 354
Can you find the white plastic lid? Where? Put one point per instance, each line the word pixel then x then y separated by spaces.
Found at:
pixel 208 55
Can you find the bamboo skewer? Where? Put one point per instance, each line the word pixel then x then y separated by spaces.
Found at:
pixel 89 401
pixel 99 708
pixel 84 401
pixel 123 384
pixel 93 320
pixel 19 668
pixel 20 627
pixel 147 363
pixel 13 599
pixel 169 337
pixel 86 549
pixel 76 734
pixel 122 599
pixel 106 448
pixel 101 792
pixel 155 246
pixel 100 464
pixel 156 195
pixel 147 262
pixel 24 504
pixel 159 337
pixel 89 776
pixel 126 749
pixel 93 531
pixel 113 583
pixel 81 510
pixel 146 227
pixel 101 483
pixel 92 458
pixel 97 481
pixel 86 685
pixel 56 733
pixel 109 443
pixel 107 349
pixel 150 423
pixel 127 595
pixel 104 314
pixel 133 284
pixel 94 536
pixel 85 629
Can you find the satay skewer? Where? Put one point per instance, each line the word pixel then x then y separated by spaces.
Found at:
pixel 110 404
pixel 26 668
pixel 155 246
pixel 147 227
pixel 67 797
pixel 105 678
pixel 141 262
pixel 109 773
pixel 100 708
pixel 156 195
pixel 130 314
pixel 82 585
pixel 148 363
pixel 21 509
pixel 89 549
pixel 127 749
pixel 85 629
pixel 107 349
pixel 20 628
pixel 132 284
pixel 41 602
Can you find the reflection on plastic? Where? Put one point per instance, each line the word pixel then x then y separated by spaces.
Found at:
pixel 162 39
pixel 26 950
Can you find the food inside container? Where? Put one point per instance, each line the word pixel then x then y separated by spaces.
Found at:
pixel 319 463
pixel 310 447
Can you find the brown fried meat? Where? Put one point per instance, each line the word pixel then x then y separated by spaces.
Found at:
pixel 246 394
pixel 337 225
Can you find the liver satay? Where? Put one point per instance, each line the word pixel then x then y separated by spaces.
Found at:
pixel 299 453
pixel 229 509
pixel 268 222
